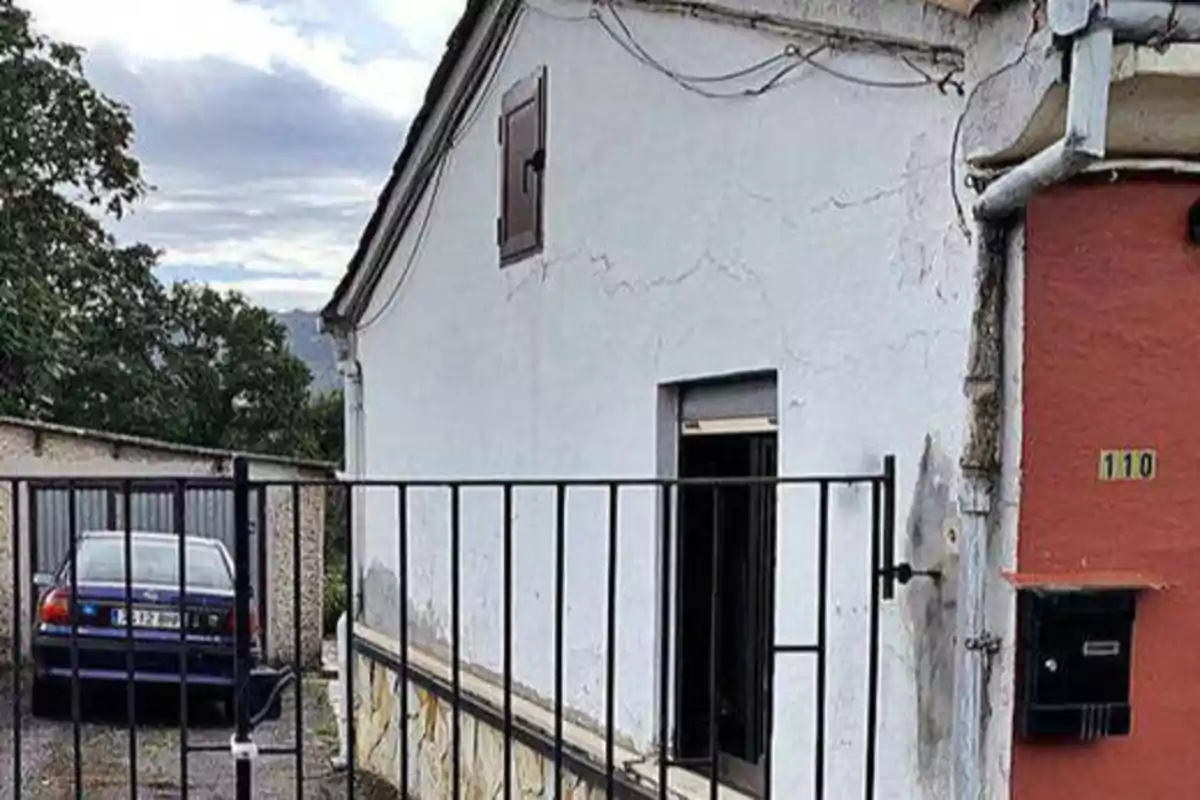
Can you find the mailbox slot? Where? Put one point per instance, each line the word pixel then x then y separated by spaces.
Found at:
pixel 1074 663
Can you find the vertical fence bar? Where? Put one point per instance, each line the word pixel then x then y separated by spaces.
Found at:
pixel 664 644
pixel 771 557
pixel 241 564
pixel 610 666
pixel 560 599
pixel 179 507
pixel 873 652
pixel 130 690
pixel 508 637
pixel 351 610
pixel 402 583
pixel 714 622
pixel 76 713
pixel 263 608
pixel 456 643
pixel 822 639
pixel 297 660
pixel 889 527
pixel 17 579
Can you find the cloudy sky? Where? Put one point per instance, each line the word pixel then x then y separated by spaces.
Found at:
pixel 266 126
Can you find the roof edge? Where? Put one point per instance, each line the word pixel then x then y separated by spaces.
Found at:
pixel 349 288
pixel 147 443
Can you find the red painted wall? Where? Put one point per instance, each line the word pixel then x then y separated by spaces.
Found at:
pixel 1112 360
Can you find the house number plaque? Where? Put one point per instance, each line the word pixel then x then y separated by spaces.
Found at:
pixel 1128 465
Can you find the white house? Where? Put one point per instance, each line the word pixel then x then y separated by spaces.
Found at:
pixel 615 225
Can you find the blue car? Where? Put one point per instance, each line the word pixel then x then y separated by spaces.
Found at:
pixel 103 619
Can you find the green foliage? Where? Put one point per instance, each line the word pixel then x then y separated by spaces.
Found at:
pixel 88 335
pixel 63 281
pixel 325 427
pixel 232 381
pixel 335 595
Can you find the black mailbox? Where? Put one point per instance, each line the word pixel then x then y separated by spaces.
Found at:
pixel 1074 663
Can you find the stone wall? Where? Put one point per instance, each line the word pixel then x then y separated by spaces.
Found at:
pixel 428 730
pixel 281 587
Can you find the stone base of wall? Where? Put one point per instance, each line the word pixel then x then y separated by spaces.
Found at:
pixel 429 732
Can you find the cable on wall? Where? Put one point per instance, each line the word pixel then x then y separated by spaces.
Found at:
pixel 439 160
pixel 956 138
pixel 791 58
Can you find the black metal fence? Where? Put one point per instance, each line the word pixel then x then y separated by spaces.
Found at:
pixel 716 544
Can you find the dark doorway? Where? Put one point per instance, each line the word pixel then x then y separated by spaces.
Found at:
pixel 726 558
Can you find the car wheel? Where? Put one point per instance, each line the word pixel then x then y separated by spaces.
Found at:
pixel 47 701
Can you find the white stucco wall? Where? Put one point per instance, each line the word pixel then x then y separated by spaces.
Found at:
pixel 810 231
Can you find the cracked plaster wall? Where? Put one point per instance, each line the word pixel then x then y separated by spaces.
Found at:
pixel 810 231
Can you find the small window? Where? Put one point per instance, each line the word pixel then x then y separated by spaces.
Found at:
pixel 523 143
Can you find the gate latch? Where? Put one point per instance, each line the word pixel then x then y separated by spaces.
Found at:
pixel 903 573
pixel 242 751
pixel 988 643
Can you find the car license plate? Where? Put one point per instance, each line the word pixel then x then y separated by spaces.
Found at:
pixel 148 618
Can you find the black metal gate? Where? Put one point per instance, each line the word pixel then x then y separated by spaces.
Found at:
pixel 207 511
pixel 153 590
pixel 191 630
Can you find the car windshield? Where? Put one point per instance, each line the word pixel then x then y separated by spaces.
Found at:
pixel 155 561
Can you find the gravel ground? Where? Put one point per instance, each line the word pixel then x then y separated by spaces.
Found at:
pixel 48 753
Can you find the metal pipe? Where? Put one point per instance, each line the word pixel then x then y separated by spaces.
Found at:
pixel 984 389
pixel 1141 20
pixel 508 640
pixel 16 577
pixel 455 641
pixel 610 655
pixel 297 643
pixel 873 643
pixel 352 384
pixel 975 506
pixel 560 611
pixel 1083 141
pixel 403 591
pixel 241 661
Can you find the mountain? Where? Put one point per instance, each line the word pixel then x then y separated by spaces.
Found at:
pixel 312 347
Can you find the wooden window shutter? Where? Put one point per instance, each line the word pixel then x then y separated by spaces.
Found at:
pixel 523 147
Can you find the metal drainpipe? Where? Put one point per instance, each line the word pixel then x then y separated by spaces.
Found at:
pixel 1081 144
pixel 984 388
pixel 351 371
pixel 1142 20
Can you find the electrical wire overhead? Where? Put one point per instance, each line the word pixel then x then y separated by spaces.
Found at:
pixel 778 67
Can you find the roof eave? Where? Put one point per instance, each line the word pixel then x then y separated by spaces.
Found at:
pixel 344 308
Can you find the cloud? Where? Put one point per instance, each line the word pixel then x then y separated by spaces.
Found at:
pixel 304 291
pixel 264 38
pixel 283 293
pixel 424 24
pixel 274 172
pixel 267 126
pixel 226 121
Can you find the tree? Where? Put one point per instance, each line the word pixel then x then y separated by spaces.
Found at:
pixel 231 380
pixel 63 151
pixel 325 428
pixel 88 335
